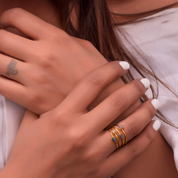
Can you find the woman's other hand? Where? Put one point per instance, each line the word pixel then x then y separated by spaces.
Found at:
pixel 69 140
pixel 45 66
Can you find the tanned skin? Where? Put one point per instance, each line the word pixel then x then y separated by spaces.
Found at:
pixel 157 161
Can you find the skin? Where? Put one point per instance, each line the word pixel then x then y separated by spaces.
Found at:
pixel 30 7
pixel 64 125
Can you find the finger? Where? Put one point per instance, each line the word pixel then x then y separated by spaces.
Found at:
pixel 26 22
pixel 87 90
pixel 133 125
pixel 12 90
pixel 11 68
pixel 15 46
pixel 134 148
pixel 114 105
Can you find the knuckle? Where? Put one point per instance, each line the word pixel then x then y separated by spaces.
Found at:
pixel 60 37
pixel 76 138
pixel 94 79
pixel 87 44
pixel 47 59
pixel 62 34
pixel 41 80
pixel 12 14
pixel 133 129
pixel 73 134
pixel 119 102
pixel 89 157
pixel 35 98
pixel 58 118
pixel 93 155
pixel 149 137
pixel 134 151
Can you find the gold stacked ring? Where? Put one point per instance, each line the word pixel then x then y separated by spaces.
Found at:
pixel 114 139
pixel 118 135
pixel 115 134
pixel 121 128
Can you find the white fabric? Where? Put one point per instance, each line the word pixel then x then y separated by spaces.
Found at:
pixel 2 133
pixel 157 37
pixel 11 115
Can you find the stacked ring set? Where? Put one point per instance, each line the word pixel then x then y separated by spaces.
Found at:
pixel 118 135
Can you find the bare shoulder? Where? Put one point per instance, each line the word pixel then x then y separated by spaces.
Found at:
pixel 156 162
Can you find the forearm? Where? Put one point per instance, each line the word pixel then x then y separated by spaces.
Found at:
pixel 156 162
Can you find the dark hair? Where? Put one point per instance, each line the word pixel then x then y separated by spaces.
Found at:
pixel 96 24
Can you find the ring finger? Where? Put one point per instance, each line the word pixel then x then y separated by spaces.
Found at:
pixel 133 125
pixel 11 68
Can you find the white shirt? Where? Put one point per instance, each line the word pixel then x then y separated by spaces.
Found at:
pixel 158 38
pixel 11 115
pixel 2 132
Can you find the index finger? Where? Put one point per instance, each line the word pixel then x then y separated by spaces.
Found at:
pixel 29 24
pixel 89 88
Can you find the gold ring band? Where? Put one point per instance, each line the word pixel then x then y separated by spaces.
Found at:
pixel 115 134
pixel 118 135
pixel 121 128
pixel 114 139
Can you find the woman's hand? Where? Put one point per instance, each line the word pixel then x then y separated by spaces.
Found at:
pixel 45 67
pixel 69 141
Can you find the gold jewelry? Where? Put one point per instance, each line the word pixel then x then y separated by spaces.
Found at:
pixel 121 128
pixel 114 139
pixel 115 134
pixel 120 135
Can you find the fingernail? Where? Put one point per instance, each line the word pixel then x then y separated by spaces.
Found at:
pixel 124 65
pixel 155 103
pixel 156 125
pixel 145 82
